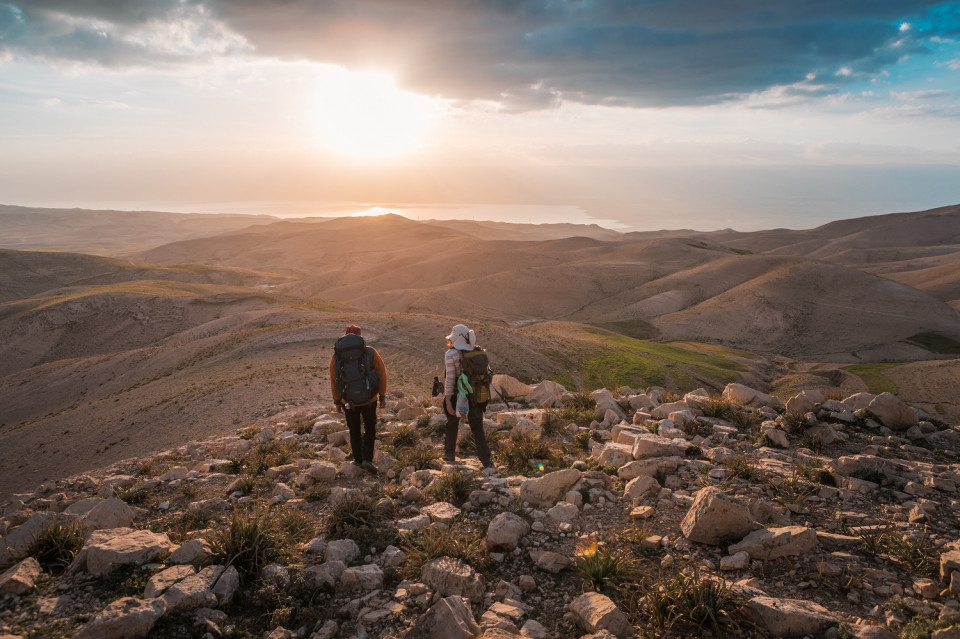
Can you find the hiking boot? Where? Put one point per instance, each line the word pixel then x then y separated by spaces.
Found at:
pixel 369 467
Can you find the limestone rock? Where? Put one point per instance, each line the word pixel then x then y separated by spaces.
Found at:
pixel 105 513
pixel 160 582
pixel 449 618
pixel 858 401
pixel 639 487
pixel 746 396
pixel 552 562
pixel 594 611
pixel 615 454
pixel 367 577
pixel 649 467
pixel 106 549
pixel 773 543
pixel 127 618
pixel 549 489
pixel 546 394
pixel 442 512
pixel 450 576
pixel 564 511
pixel 715 517
pixel 804 402
pixel 21 536
pixel 736 561
pixel 322 471
pixel 194 591
pixel 345 550
pixel 606 402
pixel 327 573
pixel 510 387
pixel 647 446
pixel 505 531
pixel 892 412
pixel 663 410
pixel 790 617
pixel 227 585
pixel 949 561
pixel 20 578
pixel 195 551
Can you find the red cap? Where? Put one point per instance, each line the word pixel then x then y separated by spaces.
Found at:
pixel 352 329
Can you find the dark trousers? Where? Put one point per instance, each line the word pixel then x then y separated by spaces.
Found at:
pixel 362 446
pixel 475 419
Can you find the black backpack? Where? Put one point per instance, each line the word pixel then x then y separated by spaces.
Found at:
pixel 476 366
pixel 357 381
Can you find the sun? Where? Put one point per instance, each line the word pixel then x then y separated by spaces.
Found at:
pixel 365 116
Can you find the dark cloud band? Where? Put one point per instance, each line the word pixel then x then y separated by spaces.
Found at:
pixel 528 54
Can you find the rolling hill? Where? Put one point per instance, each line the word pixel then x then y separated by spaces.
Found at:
pixel 104 358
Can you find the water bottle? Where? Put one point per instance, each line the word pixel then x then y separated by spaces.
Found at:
pixel 463 405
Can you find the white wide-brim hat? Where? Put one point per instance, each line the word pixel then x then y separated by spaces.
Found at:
pixel 462 338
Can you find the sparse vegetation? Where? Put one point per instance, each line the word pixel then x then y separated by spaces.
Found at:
pixel 684 603
pixel 454 487
pixel 134 495
pixel 56 545
pixel 601 564
pixel 360 518
pixel 518 451
pixel 421 457
pixel 459 542
pixel 872 375
pixel 250 541
pixel 405 436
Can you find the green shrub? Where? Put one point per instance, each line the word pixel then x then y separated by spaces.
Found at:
pixel 421 457
pixel 360 518
pixel 134 495
pixel 454 487
pixel 296 525
pixel 189 491
pixel 517 452
pixel 249 542
pixel 316 492
pixel 56 545
pixel 690 603
pixel 582 439
pixel 145 469
pixel 245 484
pixel 459 542
pixel 405 436
pixel 601 564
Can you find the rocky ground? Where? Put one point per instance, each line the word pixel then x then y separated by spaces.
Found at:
pixel 623 513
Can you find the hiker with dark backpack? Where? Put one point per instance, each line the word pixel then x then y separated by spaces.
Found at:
pixel 357 378
pixel 466 392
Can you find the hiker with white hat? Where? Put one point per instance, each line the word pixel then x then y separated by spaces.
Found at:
pixel 461 341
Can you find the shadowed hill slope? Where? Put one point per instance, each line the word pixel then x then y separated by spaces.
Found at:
pixel 108 232
pixel 24 274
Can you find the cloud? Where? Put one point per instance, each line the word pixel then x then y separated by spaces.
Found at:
pixel 913 96
pixel 523 54
pixel 114 34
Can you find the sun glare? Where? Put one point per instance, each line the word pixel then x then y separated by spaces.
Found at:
pixel 366 117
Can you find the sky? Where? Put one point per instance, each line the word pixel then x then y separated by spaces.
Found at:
pixel 635 114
